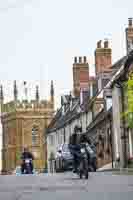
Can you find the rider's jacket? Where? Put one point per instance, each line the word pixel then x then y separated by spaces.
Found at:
pixel 27 155
pixel 74 149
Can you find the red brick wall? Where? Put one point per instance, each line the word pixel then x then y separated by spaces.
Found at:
pixel 103 59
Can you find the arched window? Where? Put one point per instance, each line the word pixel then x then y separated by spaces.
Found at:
pixel 35 136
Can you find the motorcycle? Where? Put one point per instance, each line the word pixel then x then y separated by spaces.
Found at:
pixel 28 164
pixel 83 165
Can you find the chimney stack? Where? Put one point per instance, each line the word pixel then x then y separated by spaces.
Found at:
pixel 80 75
pixel 103 57
pixel 129 35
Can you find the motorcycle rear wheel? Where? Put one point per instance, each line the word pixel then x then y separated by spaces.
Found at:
pixel 85 168
pixel 86 175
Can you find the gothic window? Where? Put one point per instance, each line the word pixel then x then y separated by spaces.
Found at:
pixel 35 136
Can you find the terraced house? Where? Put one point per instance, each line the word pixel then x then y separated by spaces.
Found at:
pixel 96 107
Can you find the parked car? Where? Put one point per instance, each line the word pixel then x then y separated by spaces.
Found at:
pixel 64 159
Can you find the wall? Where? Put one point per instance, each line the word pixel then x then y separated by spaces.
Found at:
pixel 89 117
pixel 0 145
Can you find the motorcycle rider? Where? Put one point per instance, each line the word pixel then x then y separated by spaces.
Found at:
pixel 26 155
pixel 91 152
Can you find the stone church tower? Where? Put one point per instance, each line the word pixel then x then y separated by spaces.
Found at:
pixel 24 123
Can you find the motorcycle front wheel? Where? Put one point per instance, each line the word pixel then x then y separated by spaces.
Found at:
pixel 80 175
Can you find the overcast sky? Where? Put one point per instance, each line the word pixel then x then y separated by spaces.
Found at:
pixel 39 38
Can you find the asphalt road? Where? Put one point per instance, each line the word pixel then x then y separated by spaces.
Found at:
pixel 66 187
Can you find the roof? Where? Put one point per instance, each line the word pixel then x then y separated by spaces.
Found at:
pixel 115 77
pixel 99 118
pixel 125 63
pixel 61 119
pixel 117 70
pixel 73 110
pixel 56 117
pixel 119 63
pixel 65 99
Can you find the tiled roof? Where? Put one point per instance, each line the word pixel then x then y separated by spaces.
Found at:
pixel 61 119
pixel 119 63
pixel 99 118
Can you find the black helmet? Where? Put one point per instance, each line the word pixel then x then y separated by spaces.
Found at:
pixel 83 138
pixel 73 139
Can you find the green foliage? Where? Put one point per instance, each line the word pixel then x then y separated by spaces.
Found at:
pixel 46 165
pixel 130 100
pixel 18 155
pixel 128 97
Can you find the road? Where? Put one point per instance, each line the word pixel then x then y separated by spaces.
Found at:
pixel 101 186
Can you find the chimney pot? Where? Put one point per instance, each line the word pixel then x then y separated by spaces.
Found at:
pixel 130 22
pixel 85 59
pixel 99 44
pixel 75 59
pixel 106 44
pixel 80 59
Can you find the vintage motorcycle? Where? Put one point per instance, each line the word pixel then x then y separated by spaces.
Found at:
pixel 28 166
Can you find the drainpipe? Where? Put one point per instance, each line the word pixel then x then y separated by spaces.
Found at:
pixel 111 135
pixel 64 135
pixel 124 137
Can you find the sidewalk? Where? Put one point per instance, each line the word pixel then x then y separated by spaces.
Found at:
pixel 107 167
pixel 121 171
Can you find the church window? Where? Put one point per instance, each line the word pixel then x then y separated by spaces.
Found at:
pixel 35 135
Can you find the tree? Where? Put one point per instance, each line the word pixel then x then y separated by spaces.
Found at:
pixel 18 156
pixel 128 88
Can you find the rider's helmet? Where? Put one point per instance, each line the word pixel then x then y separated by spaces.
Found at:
pixel 26 148
pixel 83 138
